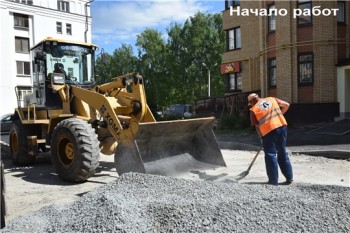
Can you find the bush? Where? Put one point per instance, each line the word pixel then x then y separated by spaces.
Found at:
pixel 233 122
pixel 169 118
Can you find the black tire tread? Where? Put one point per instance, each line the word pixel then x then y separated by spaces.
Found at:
pixel 23 158
pixel 88 150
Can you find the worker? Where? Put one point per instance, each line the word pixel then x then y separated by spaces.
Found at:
pixel 266 115
pixel 59 68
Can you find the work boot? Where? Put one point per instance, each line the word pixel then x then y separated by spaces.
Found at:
pixel 288 182
pixel 270 183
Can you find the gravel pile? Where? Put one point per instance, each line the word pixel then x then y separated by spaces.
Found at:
pixel 151 203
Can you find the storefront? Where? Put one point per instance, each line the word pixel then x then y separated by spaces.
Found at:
pixel 232 72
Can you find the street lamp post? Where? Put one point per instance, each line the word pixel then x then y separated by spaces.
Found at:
pixel 208 76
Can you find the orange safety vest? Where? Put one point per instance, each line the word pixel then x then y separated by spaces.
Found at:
pixel 268 114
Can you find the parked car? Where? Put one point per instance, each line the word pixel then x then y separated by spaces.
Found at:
pixel 180 110
pixel 5 122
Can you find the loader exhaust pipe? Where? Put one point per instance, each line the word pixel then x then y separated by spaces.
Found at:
pixel 159 140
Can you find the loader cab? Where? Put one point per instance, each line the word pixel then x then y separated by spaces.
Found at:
pixel 59 62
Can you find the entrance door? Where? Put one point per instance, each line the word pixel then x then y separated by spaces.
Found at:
pixel 343 83
pixel 347 94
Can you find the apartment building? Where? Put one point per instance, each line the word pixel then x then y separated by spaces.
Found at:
pixel 25 23
pixel 301 58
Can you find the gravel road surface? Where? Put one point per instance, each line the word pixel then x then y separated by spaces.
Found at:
pixel 151 203
pixel 194 197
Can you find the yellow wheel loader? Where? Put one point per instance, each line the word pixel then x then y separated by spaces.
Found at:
pixel 75 119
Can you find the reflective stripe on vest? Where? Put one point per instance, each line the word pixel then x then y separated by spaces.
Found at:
pixel 269 115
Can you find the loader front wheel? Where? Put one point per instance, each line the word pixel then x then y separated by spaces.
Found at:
pixel 75 150
pixel 19 145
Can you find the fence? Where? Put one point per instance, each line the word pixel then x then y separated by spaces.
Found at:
pixel 235 103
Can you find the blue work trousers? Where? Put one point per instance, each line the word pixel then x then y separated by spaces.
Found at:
pixel 274 144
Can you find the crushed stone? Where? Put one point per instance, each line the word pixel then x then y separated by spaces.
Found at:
pixel 151 203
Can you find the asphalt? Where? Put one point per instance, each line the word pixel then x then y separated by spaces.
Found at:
pixel 329 139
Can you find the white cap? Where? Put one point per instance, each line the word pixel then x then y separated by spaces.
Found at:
pixel 252 96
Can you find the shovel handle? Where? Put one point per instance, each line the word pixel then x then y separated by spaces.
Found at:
pixel 256 156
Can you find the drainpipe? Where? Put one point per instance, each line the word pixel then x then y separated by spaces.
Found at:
pixel 87 19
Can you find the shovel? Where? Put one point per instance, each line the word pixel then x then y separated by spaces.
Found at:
pixel 245 173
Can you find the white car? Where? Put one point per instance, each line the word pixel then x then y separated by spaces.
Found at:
pixel 180 110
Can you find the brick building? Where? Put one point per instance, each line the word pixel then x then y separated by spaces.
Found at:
pixel 302 59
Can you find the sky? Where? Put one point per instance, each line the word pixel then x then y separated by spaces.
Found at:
pixel 117 22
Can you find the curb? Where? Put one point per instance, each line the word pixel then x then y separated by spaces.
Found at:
pixel 237 146
pixel 333 154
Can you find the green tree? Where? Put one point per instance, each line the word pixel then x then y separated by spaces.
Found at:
pixel 102 68
pixel 173 70
pixel 152 54
pixel 121 62
pixel 200 40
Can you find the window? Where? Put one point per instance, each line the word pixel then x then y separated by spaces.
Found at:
pixel 234 39
pixel 21 20
pixel 63 6
pixel 21 45
pixel 232 3
pixel 235 81
pixel 305 6
pixel 271 72
pixel 29 2
pixel 71 72
pixel 22 91
pixel 59 27
pixel 306 68
pixel 23 67
pixel 69 29
pixel 272 19
pixel 341 12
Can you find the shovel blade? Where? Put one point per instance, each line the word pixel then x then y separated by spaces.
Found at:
pixel 241 175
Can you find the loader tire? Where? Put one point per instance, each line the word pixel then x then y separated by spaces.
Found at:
pixel 19 145
pixel 75 150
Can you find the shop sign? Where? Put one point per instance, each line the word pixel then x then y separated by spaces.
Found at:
pixel 231 67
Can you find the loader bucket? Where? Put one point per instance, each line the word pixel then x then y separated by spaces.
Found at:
pixel 160 140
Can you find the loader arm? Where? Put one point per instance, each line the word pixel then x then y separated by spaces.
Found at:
pixel 114 103
pixel 105 105
pixel 136 98
pixel 142 140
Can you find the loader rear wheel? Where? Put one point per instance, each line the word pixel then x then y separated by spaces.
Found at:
pixel 75 150
pixel 19 145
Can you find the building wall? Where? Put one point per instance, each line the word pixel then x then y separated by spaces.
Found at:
pixel 328 40
pixel 250 45
pixel 43 15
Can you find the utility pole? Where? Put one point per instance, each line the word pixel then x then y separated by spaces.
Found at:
pixel 208 76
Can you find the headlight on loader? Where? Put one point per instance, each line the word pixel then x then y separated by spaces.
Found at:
pixel 57 78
